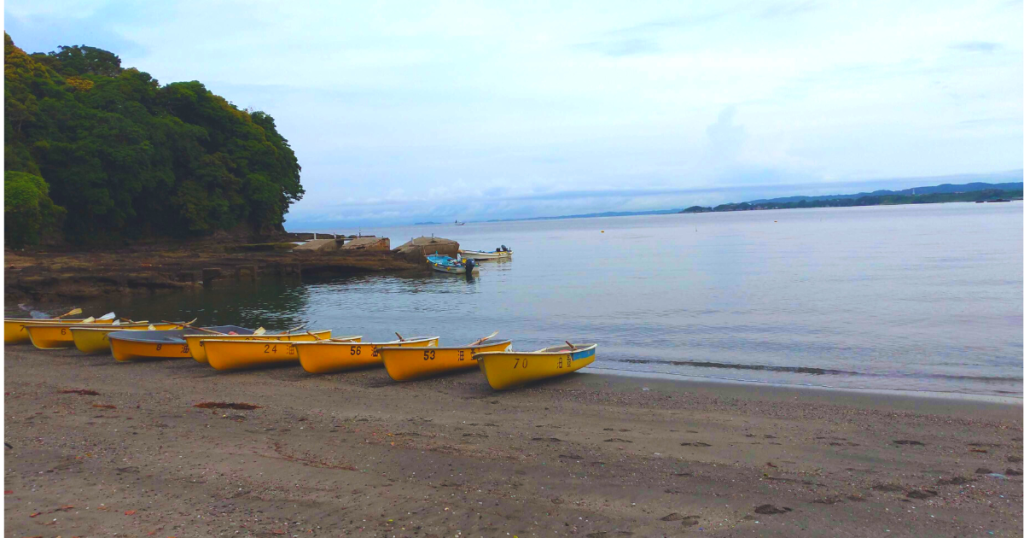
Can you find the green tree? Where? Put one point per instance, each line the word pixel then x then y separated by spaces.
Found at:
pixel 130 158
pixel 28 211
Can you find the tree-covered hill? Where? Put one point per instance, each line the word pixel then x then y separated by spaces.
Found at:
pixel 867 200
pixel 95 152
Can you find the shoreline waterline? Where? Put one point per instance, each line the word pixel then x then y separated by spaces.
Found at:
pixel 823 389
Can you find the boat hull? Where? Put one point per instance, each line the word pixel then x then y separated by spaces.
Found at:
pixel 15 332
pixel 478 255
pixel 55 335
pixel 127 350
pixel 132 345
pixel 239 354
pixel 197 347
pixel 507 370
pixel 94 339
pixel 407 363
pixel 450 269
pixel 328 357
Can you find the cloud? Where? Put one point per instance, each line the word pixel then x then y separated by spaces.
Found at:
pixel 668 23
pixel 976 46
pixel 789 9
pixel 623 47
pixel 726 137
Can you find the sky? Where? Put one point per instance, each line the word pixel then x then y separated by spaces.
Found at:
pixel 402 112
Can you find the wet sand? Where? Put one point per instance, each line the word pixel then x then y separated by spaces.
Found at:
pixel 588 455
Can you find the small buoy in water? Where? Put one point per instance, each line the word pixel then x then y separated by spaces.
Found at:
pixel 602 231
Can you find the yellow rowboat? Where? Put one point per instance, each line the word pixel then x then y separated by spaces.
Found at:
pixel 509 369
pixel 94 339
pixel 129 345
pixel 407 363
pixel 58 335
pixel 326 357
pixel 198 349
pixel 15 333
pixel 234 354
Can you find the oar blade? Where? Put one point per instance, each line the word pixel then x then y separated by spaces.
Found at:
pixel 72 312
pixel 484 339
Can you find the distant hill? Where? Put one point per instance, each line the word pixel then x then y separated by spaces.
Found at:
pixel 946 192
pixel 945 188
pixel 971 192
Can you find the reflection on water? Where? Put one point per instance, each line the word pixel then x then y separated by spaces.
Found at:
pixel 905 297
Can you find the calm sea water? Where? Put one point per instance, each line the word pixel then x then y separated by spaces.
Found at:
pixel 916 298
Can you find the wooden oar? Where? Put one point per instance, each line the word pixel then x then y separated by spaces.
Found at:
pixel 315 337
pixel 484 339
pixel 399 336
pixel 72 312
pixel 572 347
pixel 289 331
pixel 188 326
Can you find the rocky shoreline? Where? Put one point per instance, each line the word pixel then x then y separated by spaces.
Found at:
pixel 51 276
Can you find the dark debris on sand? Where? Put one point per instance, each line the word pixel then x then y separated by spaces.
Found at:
pixel 227 405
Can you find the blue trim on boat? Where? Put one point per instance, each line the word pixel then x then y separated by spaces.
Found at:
pixel 583 354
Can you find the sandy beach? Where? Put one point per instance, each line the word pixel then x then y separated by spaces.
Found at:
pixel 126 452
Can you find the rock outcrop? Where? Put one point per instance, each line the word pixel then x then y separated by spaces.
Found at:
pixel 417 249
pixel 367 243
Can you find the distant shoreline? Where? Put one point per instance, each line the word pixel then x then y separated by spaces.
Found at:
pixel 1007 196
pixel 983 196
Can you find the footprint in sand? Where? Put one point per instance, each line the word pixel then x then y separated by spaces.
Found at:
pixel 922 494
pixel 955 481
pixel 770 509
pixel 688 521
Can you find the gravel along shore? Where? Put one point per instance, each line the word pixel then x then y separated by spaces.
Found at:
pixel 96 447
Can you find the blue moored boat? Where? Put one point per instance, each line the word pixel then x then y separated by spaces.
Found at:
pixel 447 264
